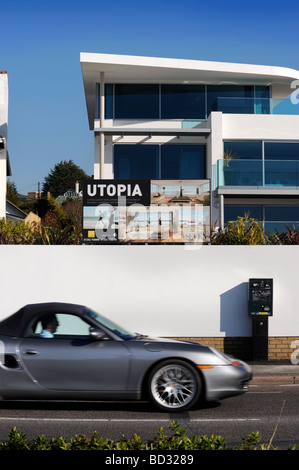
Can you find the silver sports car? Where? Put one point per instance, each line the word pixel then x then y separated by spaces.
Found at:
pixel 69 352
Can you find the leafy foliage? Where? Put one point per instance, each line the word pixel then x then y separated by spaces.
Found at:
pixel 63 178
pixel 287 237
pixel 12 193
pixel 16 233
pixel 245 231
pixel 57 226
pixel 177 441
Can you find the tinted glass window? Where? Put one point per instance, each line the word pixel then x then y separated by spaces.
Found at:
pixel 108 101
pixel 282 150
pixel 244 149
pixel 262 92
pixel 230 98
pixel 182 161
pixel 283 213
pixel 136 161
pixel 139 101
pixel 231 213
pixel 183 102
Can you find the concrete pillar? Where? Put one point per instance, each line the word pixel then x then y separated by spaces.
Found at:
pixel 214 152
pixel 102 124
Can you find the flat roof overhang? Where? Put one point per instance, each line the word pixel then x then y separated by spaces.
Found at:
pixel 204 132
pixel 136 69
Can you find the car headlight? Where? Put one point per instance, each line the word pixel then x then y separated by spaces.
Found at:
pixel 225 357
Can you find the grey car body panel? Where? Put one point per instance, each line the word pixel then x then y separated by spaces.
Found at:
pixel 113 368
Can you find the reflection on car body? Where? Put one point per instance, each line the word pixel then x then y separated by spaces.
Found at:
pixel 88 357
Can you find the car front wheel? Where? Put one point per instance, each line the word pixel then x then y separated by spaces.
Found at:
pixel 174 385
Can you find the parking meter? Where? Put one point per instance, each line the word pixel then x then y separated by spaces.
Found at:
pixel 260 308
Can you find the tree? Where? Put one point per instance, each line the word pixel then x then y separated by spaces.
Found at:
pixel 12 193
pixel 63 178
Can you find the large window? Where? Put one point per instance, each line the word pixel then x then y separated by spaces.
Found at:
pixel 274 218
pixel 159 162
pixel 136 101
pixel 256 150
pixel 231 213
pixel 258 163
pixel 182 101
pixel 281 150
pixel 230 99
pixel 182 162
pixel 261 100
pixel 136 161
pixel 244 149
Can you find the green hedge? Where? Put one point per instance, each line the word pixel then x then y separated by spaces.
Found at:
pixel 50 231
pixel 177 441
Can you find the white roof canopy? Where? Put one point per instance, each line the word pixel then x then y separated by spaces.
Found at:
pixel 135 69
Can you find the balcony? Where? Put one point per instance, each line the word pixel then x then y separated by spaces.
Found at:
pixel 256 173
pixel 237 105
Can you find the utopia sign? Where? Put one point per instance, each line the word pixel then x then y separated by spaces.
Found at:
pixel 146 211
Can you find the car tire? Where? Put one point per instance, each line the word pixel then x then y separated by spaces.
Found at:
pixel 174 385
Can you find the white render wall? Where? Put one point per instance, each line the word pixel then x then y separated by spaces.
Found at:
pixel 260 127
pixel 3 157
pixel 158 290
pixel 3 104
pixel 3 133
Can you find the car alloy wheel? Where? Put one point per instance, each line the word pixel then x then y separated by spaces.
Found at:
pixel 174 385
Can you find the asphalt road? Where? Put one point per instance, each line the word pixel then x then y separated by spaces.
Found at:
pixel 261 409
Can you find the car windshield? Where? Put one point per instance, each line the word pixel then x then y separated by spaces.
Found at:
pixel 124 334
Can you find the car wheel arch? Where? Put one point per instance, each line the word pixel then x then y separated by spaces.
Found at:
pixel 144 389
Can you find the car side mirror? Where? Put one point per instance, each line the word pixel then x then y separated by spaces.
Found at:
pixel 97 334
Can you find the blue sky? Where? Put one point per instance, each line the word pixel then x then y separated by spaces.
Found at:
pixel 40 47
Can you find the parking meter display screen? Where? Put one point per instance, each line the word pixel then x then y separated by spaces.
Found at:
pixel 260 297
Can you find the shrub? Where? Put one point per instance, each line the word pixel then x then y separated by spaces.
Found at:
pixel 177 441
pixel 16 233
pixel 55 228
pixel 287 237
pixel 245 231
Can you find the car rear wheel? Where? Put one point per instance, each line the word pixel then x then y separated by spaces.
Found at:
pixel 174 385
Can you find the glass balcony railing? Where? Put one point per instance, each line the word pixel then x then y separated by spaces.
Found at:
pixel 256 173
pixel 238 105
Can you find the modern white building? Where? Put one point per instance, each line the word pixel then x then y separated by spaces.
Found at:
pixel 178 119
pixel 4 161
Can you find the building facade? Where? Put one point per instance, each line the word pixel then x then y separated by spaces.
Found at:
pixel 235 124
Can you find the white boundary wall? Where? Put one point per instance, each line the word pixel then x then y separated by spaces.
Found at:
pixel 158 290
pixel 3 133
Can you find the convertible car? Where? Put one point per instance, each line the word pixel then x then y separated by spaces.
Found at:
pixel 69 352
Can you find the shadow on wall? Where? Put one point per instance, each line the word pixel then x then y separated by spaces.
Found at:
pixel 236 323
pixel 3 130
pixel 234 318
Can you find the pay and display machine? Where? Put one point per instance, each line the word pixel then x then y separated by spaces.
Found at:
pixel 260 307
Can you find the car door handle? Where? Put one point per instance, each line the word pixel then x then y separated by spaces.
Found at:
pixel 30 353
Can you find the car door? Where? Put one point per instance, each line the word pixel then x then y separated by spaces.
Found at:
pixel 73 361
